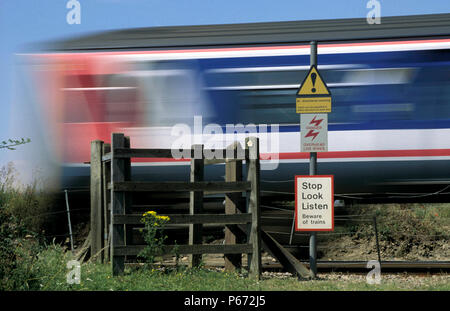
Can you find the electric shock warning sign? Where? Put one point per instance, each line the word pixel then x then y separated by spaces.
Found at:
pixel 314 203
pixel 314 132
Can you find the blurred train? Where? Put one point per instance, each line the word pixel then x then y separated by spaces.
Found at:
pixel 389 129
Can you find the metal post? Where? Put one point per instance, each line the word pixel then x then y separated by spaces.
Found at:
pixel 312 159
pixel 313 171
pixel 313 57
pixel 68 218
pixel 376 237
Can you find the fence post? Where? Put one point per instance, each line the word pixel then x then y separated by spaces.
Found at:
pixel 253 204
pixel 117 204
pixel 96 199
pixel 106 167
pixel 196 202
pixel 233 172
pixel 127 195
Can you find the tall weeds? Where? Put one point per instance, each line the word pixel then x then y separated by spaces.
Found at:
pixel 24 211
pixel 29 203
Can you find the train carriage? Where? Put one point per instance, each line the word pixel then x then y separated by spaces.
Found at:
pixel 389 129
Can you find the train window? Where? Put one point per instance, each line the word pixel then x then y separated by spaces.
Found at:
pixel 100 98
pixel 266 107
pixel 270 77
pixel 173 93
pixel 431 92
pixel 81 99
pixel 121 99
pixel 277 107
pixel 359 94
pixel 444 98
pixel 255 78
pixel 376 94
pixel 378 76
pixel 266 94
pixel 381 102
pixel 350 104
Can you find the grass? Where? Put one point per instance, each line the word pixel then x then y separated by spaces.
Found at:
pixel 51 274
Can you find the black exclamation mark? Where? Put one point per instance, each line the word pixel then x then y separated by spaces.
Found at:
pixel 313 78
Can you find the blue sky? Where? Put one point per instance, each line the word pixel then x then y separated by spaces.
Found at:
pixel 27 21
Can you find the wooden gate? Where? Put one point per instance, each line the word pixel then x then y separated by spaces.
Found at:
pixel 112 188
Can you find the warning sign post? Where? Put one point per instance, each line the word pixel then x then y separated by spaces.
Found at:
pixel 314 208
pixel 314 203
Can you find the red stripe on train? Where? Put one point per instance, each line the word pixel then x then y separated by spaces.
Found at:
pixel 368 154
pixel 332 155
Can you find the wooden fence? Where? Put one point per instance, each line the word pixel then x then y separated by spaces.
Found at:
pixel 112 190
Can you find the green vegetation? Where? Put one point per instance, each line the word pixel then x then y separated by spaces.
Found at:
pixel 27 262
pixel 23 214
pixel 10 144
pixel 29 204
pixel 406 220
pixel 49 271
pixel 154 236
pixel 405 232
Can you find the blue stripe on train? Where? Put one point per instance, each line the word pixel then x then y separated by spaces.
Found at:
pixel 393 59
pixel 375 125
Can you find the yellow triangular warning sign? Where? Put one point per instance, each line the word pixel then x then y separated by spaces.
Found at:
pixel 313 85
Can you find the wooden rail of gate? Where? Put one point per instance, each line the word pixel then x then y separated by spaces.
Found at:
pixel 112 188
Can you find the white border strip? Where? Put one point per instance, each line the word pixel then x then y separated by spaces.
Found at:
pixel 330 160
pixel 285 51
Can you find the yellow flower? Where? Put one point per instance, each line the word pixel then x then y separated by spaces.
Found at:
pixel 163 218
pixel 149 213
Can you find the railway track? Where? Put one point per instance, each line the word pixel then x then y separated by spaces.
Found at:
pixel 386 266
pixel 278 222
pixel 431 267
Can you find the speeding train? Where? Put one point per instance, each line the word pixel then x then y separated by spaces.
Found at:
pixel 388 132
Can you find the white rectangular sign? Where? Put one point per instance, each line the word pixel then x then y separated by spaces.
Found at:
pixel 314 203
pixel 314 132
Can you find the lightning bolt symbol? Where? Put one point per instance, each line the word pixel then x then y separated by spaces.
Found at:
pixel 316 122
pixel 311 133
